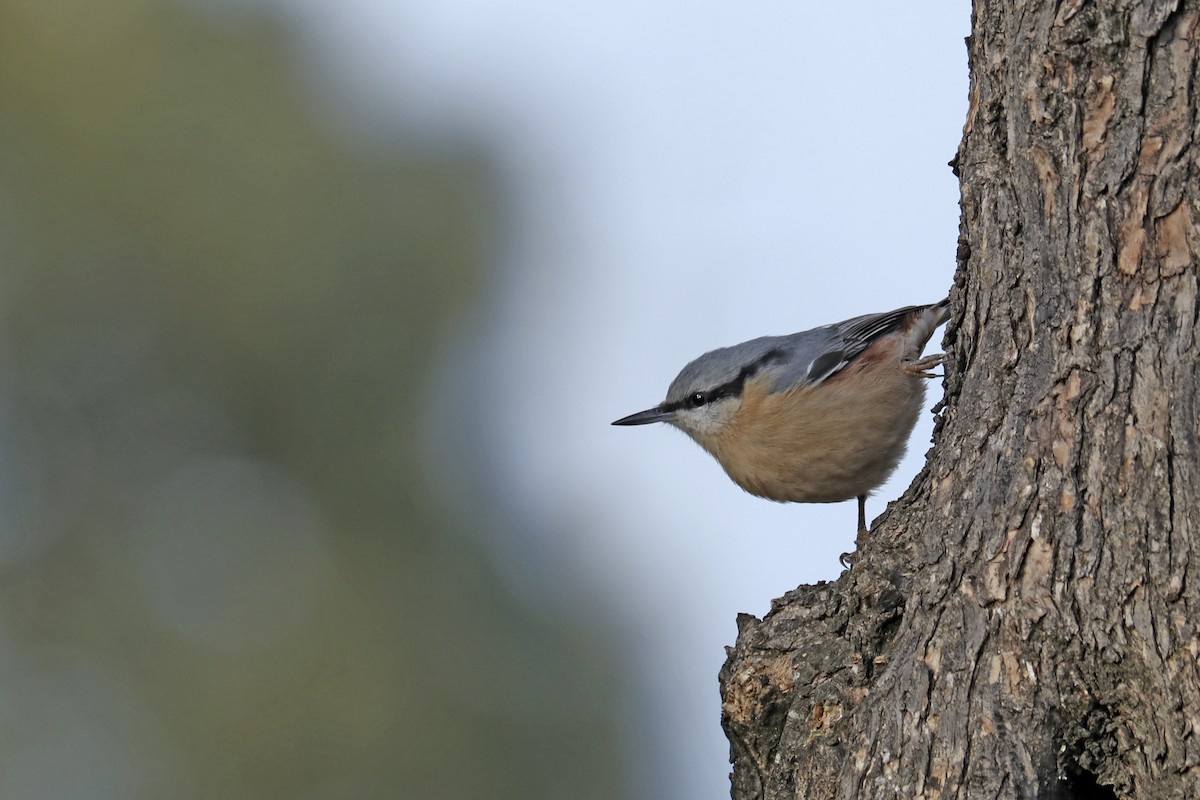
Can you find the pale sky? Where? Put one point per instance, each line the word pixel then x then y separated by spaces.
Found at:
pixel 684 176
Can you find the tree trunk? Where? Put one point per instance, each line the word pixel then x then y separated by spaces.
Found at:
pixel 1024 623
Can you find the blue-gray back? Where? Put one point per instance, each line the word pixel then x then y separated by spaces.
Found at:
pixel 799 359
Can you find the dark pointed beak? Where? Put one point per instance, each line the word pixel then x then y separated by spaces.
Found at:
pixel 655 414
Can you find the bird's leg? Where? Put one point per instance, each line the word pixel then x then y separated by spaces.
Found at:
pixel 920 368
pixel 848 559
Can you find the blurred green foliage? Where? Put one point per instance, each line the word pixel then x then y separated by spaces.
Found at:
pixel 222 572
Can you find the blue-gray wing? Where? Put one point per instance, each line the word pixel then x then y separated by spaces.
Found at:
pixel 816 355
pixel 801 359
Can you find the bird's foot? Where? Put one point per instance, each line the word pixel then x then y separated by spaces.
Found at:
pixel 920 368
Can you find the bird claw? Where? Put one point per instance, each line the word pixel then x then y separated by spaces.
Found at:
pixel 920 368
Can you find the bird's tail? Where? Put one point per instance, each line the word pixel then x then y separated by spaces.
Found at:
pixel 923 321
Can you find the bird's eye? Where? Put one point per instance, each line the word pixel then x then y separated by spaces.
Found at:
pixel 698 399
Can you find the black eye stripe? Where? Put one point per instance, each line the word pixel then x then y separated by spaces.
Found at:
pixel 731 388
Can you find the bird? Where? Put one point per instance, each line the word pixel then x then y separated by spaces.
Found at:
pixel 819 416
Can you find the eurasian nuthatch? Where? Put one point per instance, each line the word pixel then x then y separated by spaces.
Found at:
pixel 819 416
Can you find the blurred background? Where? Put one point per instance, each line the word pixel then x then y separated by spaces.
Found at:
pixel 313 316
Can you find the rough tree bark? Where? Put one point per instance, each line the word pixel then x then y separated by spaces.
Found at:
pixel 1026 621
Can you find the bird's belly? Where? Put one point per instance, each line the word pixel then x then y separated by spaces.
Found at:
pixel 815 477
pixel 836 448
